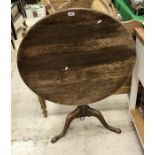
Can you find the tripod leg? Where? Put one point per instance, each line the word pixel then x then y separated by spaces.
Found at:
pixel 97 114
pixel 74 114
pixel 43 106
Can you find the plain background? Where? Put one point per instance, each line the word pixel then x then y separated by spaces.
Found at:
pixel 5 77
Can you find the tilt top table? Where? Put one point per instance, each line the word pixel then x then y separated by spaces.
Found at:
pixel 76 57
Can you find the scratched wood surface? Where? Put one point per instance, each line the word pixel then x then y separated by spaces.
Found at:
pixel 76 57
pixel 104 6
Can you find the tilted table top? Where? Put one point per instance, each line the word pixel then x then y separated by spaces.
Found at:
pixel 76 57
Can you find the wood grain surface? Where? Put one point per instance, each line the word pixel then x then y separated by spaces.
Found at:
pixel 76 57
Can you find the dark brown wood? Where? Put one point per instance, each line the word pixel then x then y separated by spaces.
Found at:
pixel 130 25
pixel 125 88
pixel 82 112
pixel 76 57
pixel 43 105
pixel 13 44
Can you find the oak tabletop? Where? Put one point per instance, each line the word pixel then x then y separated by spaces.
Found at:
pixel 76 57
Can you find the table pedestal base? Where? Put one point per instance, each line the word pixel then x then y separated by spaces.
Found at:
pixel 81 112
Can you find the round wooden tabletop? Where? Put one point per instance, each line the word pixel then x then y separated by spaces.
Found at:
pixel 76 57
